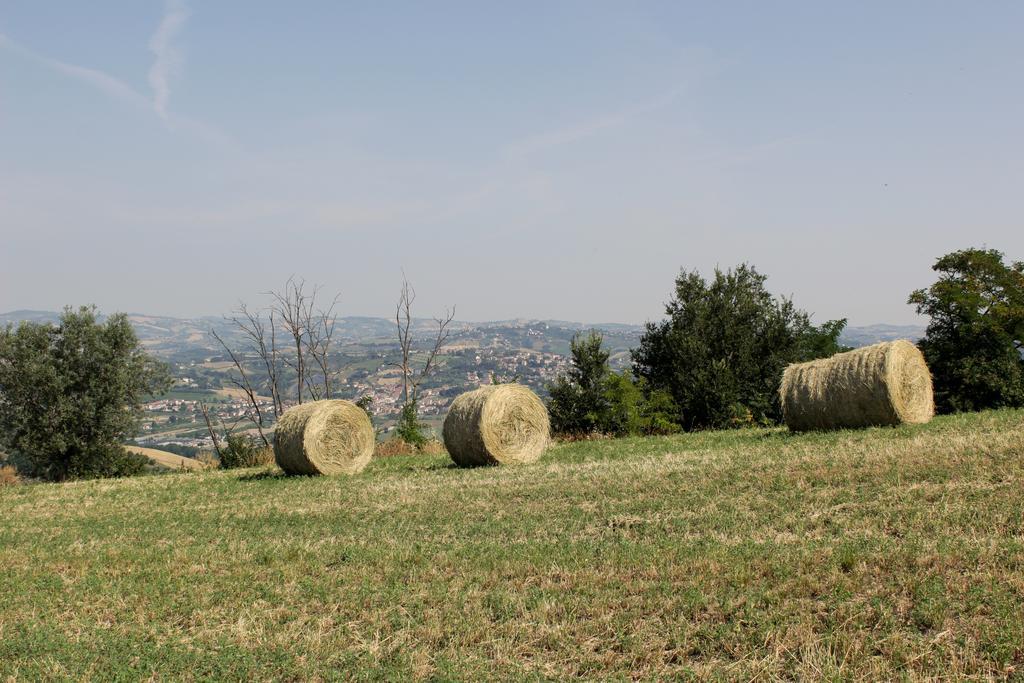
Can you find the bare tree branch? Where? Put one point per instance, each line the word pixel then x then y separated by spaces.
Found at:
pixel 245 385
pixel 439 341
pixel 319 331
pixel 412 380
pixel 254 328
pixel 209 427
pixel 289 308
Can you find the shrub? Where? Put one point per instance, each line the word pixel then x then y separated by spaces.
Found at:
pixel 433 447
pixel 579 403
pixel 590 398
pixel 208 459
pixel 242 450
pixel 409 428
pixel 9 476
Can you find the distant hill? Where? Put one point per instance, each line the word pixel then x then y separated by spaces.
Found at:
pixel 171 336
pixel 872 334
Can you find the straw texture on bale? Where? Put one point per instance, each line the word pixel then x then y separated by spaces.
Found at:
pixel 324 437
pixel 499 424
pixel 883 384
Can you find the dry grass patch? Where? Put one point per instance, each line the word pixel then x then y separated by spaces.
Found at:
pixel 9 476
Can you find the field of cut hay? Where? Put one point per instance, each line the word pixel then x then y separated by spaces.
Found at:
pixel 879 554
pixel 167 459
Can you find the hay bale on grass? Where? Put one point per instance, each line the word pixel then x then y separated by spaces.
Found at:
pixel 883 384
pixel 324 437
pixel 499 424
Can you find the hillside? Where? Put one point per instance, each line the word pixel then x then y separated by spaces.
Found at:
pixel 534 352
pixel 167 460
pixel 879 554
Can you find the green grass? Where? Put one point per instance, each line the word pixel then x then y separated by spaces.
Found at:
pixel 886 553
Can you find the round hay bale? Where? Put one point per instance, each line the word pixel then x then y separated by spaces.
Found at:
pixel 499 424
pixel 324 437
pixel 883 384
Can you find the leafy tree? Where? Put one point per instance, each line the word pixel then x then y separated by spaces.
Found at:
pixel 974 341
pixel 721 352
pixel 590 398
pixel 578 404
pixel 71 393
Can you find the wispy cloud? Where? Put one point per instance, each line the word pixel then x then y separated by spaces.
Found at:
pixel 590 127
pixel 166 65
pixel 100 80
pixel 168 60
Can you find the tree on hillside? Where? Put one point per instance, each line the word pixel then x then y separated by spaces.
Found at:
pixel 578 403
pixel 721 352
pixel 409 427
pixel 71 393
pixel 974 341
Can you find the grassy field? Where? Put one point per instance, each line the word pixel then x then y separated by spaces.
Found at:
pixel 886 553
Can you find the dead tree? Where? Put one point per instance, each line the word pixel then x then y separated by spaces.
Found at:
pixel 310 330
pixel 411 379
pixel 263 340
pixel 289 305
pixel 255 412
pixel 319 324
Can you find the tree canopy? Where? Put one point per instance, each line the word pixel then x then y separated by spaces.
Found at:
pixel 722 349
pixel 975 337
pixel 71 393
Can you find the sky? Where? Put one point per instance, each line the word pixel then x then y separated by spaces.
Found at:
pixel 530 159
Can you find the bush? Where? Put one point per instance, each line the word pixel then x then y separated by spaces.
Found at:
pixel 9 476
pixel 242 450
pixel 591 399
pixel 409 428
pixel 721 352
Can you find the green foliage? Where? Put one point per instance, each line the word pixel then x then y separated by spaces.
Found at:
pixel 71 393
pixel 409 428
pixel 366 403
pixel 578 404
pixel 242 450
pixel 721 352
pixel 590 398
pixel 975 338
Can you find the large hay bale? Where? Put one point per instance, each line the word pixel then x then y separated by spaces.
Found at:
pixel 499 424
pixel 883 384
pixel 324 437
